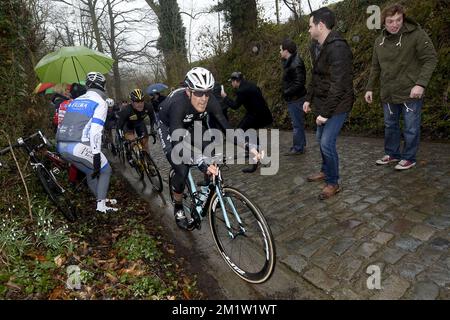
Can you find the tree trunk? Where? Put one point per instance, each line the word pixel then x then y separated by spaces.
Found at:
pixel 91 5
pixel 172 39
pixel 243 18
pixel 116 73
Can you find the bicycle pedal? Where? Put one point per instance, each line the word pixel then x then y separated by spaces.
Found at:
pixel 193 224
pixel 197 222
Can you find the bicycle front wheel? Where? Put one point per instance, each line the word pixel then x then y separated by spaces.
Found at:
pixel 137 164
pixel 152 172
pixel 120 150
pixel 56 194
pixel 247 245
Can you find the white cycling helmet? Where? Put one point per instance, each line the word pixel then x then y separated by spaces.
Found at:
pixel 95 80
pixel 199 79
pixel 110 102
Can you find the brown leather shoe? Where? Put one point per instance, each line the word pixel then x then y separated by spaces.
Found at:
pixel 329 191
pixel 316 177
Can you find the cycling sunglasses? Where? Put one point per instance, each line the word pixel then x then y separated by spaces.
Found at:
pixel 200 94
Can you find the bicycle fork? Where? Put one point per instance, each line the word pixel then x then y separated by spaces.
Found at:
pixel 38 164
pixel 199 207
pixel 225 215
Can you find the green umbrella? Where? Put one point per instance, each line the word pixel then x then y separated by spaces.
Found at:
pixel 71 64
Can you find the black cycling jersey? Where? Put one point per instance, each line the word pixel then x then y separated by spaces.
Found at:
pixel 130 119
pixel 157 101
pixel 111 118
pixel 176 113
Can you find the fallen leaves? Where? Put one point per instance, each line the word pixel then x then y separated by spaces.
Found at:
pixel 12 285
pixel 104 272
pixel 109 264
pixel 186 294
pixel 36 256
pixel 58 293
pixel 111 277
pixel 134 270
pixel 59 260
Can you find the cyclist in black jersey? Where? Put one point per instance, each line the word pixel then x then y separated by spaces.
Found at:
pixel 179 111
pixel 131 123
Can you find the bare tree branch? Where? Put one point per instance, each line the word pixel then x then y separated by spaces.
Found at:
pixel 62 1
pixel 310 8
pixel 155 7
pixel 197 14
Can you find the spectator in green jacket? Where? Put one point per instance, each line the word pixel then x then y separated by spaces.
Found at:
pixel 403 59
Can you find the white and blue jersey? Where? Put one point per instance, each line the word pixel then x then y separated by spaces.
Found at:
pixel 80 137
pixel 84 120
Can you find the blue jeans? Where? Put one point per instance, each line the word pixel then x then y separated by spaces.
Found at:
pixel 298 124
pixel 411 132
pixel 326 135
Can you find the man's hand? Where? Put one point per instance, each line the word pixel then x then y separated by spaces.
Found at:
pixel 416 92
pixel 97 166
pixel 212 170
pixel 369 96
pixel 223 94
pixel 257 155
pixel 306 107
pixel 321 120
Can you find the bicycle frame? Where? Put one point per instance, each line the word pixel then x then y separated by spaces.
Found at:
pixel 31 151
pixel 199 205
pixel 136 146
pixel 256 242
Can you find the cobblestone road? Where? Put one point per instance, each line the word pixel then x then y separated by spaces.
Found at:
pixel 398 221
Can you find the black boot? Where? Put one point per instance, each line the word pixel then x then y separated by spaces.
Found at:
pixel 252 168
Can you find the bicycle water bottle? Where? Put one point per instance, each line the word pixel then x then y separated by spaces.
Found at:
pixel 204 190
pixel 203 195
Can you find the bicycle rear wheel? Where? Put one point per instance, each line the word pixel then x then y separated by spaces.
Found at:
pixel 152 172
pixel 56 193
pixel 250 250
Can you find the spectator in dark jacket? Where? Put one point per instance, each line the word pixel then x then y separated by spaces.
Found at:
pixel 330 93
pixel 217 90
pixel 294 77
pixel 250 96
pixel 156 99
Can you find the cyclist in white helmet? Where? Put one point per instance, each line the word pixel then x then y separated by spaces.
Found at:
pixel 80 136
pixel 179 111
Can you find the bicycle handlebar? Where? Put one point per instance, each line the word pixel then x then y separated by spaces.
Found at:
pixel 21 141
pixel 213 160
pixel 134 140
